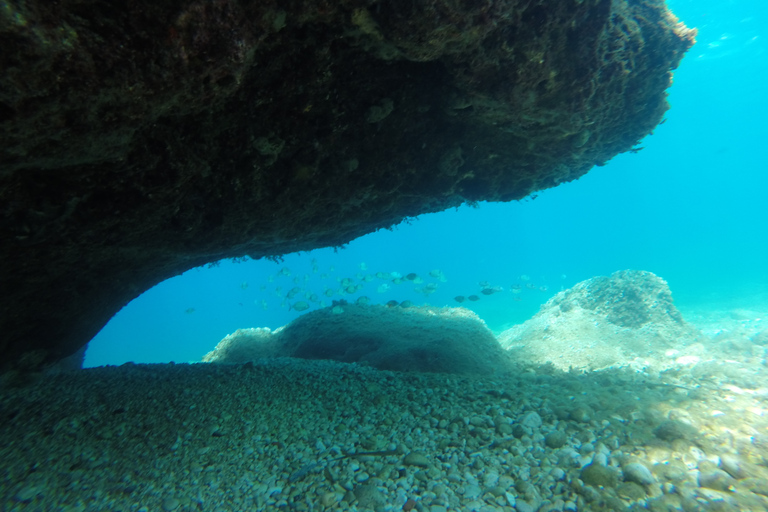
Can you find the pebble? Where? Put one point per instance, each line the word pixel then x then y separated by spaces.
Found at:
pixel 638 473
pixel 27 494
pixel 329 499
pixel 716 479
pixel 531 420
pixel 170 504
pixel 416 459
pixel 600 476
pixel 555 439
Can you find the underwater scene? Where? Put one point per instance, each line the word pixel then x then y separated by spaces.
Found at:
pixel 598 346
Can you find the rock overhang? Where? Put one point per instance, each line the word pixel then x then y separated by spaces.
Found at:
pixel 140 140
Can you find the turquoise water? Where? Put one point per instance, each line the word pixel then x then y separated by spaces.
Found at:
pixel 690 207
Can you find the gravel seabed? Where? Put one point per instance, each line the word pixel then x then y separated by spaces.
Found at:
pixel 287 434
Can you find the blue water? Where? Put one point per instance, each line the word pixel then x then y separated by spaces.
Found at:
pixel 692 207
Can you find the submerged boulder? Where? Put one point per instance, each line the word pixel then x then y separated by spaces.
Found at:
pixel 424 339
pixel 141 139
pixel 627 318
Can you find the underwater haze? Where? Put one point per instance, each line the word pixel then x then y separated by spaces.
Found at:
pixel 690 206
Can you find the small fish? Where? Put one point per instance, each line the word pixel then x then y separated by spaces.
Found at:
pixel 382 288
pixel 346 282
pixel 543 288
pixel 299 306
pixel 516 287
pixel 313 297
pixel 411 276
pixel 328 292
pixel 351 289
pixel 368 278
pixel 484 284
pixel 392 303
pixel 285 271
pixel 418 280
pixel 406 304
pixel 473 298
pixel 292 292
pixel 459 298
pixel 491 290
pixel 363 266
pixel 264 304
pixel 244 285
pixel 396 275
pixel 384 275
pixel 530 286
pixel 435 273
pixel 363 300
pixel 397 280
pixel 525 277
pixel 337 310
pixel 189 311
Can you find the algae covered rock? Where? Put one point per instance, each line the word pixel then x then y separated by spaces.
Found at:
pixel 627 317
pixel 145 138
pixel 600 476
pixel 425 339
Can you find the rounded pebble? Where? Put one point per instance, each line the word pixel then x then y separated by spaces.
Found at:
pixel 638 473
pixel 170 504
pixel 416 459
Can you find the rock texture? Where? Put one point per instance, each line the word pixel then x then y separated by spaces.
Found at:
pixel 423 339
pixel 140 139
pixel 604 321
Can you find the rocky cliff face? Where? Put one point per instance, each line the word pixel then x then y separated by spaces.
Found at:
pixel 140 139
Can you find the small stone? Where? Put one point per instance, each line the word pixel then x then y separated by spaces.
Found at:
pixel 170 504
pixel 630 491
pixel 497 491
pixel 523 506
pixel 600 476
pixel 531 420
pixel 756 485
pixel 671 430
pixel 558 474
pixel 582 414
pixel 27 494
pixel 477 421
pixel 369 496
pixel 555 439
pixel 716 479
pixel 329 499
pixel 638 473
pixel 416 459
pixel 732 465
